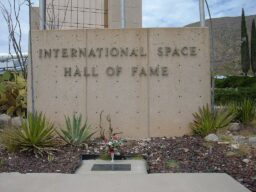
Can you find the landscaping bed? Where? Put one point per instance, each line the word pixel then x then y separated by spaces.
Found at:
pixel 164 155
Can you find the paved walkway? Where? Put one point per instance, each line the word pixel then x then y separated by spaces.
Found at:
pixel 119 183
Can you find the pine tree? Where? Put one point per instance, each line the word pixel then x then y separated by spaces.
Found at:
pixel 253 48
pixel 245 55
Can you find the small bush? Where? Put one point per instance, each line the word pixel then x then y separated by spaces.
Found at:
pixel 13 94
pixel 35 135
pixel 228 95
pixel 206 122
pixel 235 89
pixel 244 111
pixel 75 133
pixel 236 82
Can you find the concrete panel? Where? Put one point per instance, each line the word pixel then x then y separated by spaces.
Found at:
pixel 35 18
pixel 176 96
pixel 56 95
pixel 133 14
pixel 149 81
pixel 121 96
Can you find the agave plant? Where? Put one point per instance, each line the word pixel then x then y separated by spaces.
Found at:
pixel 36 135
pixel 75 133
pixel 206 122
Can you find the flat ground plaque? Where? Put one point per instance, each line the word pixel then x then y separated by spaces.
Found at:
pixel 111 167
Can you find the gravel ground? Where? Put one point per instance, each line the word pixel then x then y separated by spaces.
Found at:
pixel 164 155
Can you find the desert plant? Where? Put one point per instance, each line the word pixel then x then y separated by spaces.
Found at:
pixel 110 129
pixel 206 122
pixel 244 111
pixel 13 94
pixel 35 135
pixel 8 139
pixel 245 55
pixel 171 164
pixel 75 133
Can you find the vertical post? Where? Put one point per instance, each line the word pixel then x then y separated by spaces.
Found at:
pixel 122 11
pixel 202 13
pixel 106 13
pixel 42 5
pixel 31 61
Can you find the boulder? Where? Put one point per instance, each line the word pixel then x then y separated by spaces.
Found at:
pixel 240 139
pixel 235 126
pixel 252 140
pixel 235 146
pixel 212 137
pixel 16 121
pixel 4 120
pixel 246 161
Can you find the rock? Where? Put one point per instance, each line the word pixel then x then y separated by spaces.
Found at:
pixel 212 137
pixel 246 161
pixel 235 146
pixel 240 139
pixel 4 120
pixel 16 121
pixel 235 127
pixel 252 140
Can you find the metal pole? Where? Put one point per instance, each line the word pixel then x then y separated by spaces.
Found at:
pixel 202 13
pixel 122 11
pixel 42 14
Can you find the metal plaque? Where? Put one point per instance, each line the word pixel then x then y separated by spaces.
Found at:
pixel 111 167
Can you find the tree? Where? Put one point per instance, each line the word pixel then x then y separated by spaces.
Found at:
pixel 245 55
pixel 253 48
pixel 10 11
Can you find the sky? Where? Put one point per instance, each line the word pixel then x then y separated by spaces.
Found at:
pixel 156 13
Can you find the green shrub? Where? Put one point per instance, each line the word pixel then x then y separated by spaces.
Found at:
pixel 171 164
pixel 236 82
pixel 244 111
pixel 8 139
pixel 206 122
pixel 35 135
pixel 229 95
pixel 76 134
pixel 13 94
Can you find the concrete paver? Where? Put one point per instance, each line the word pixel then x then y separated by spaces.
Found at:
pixel 13 182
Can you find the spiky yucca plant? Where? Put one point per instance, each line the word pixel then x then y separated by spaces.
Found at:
pixel 75 133
pixel 206 122
pixel 36 135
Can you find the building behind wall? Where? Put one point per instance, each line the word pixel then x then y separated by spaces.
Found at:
pixel 72 14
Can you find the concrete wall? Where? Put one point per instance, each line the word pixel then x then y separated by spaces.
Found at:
pixel 150 91
pixel 73 14
pixel 133 14
pixel 35 18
